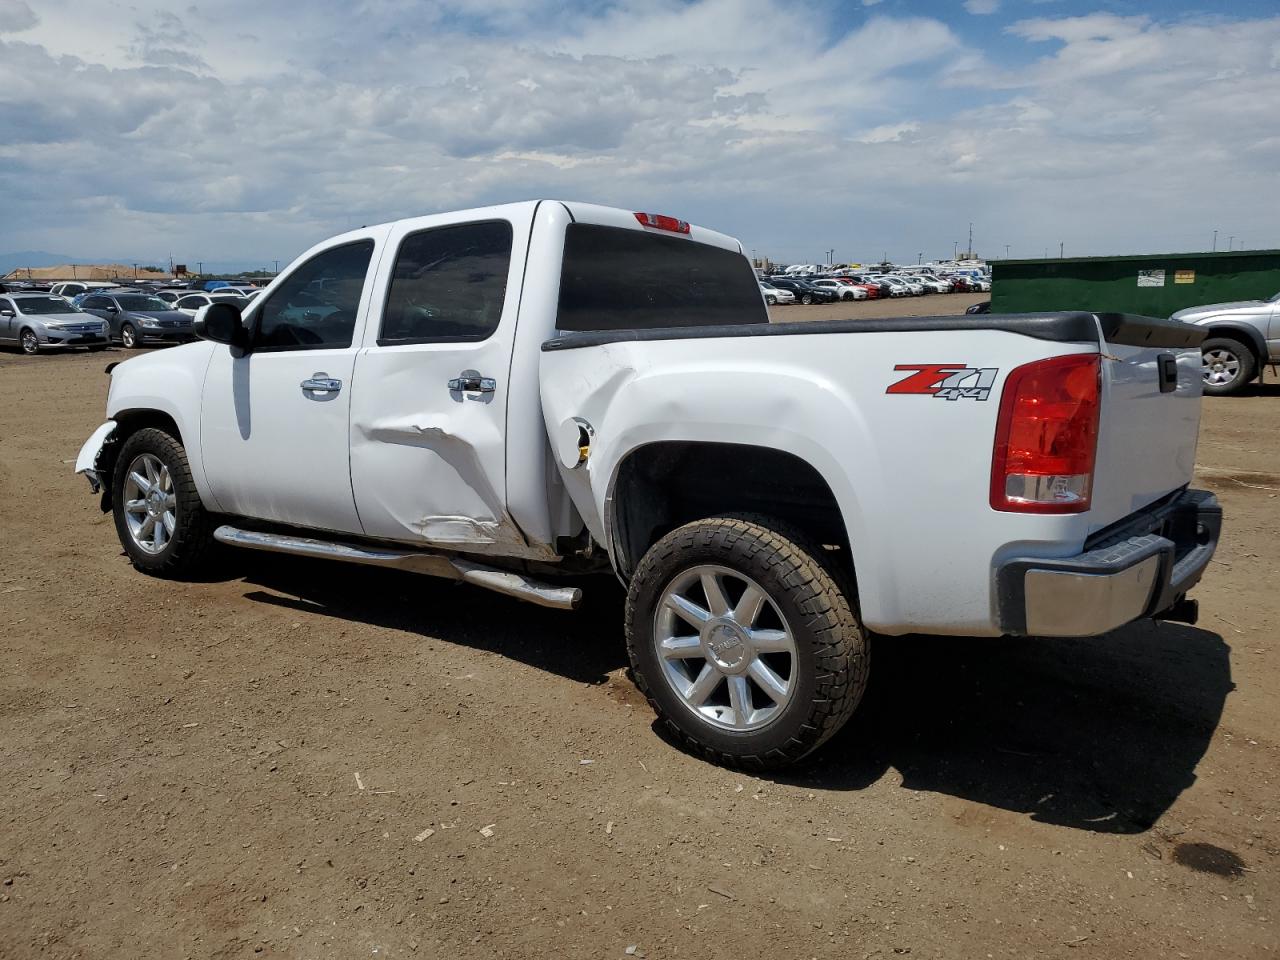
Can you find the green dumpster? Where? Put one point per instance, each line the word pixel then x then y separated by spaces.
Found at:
pixel 1153 285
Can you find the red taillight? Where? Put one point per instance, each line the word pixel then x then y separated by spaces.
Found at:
pixel 662 222
pixel 1047 436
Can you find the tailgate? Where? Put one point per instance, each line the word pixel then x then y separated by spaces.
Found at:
pixel 1150 416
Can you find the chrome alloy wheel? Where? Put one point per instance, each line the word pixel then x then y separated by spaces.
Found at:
pixel 725 648
pixel 1220 366
pixel 150 503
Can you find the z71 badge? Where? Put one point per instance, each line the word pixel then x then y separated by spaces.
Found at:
pixel 947 381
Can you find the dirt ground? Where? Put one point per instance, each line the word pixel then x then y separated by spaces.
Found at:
pixel 253 765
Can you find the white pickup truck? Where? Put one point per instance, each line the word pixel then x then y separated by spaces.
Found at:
pixel 511 394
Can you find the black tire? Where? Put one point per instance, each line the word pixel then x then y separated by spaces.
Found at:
pixel 190 543
pixel 771 300
pixel 29 342
pixel 129 338
pixel 1228 350
pixel 831 660
pixel 846 296
pixel 806 298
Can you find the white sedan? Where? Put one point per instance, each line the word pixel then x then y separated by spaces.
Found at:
pixel 194 301
pixel 774 294
pixel 845 291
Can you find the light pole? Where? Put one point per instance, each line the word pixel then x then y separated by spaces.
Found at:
pixel 277 263
pixel 1006 251
pixel 1231 240
pixel 1215 241
pixel 955 250
pixel 200 267
pixel 135 271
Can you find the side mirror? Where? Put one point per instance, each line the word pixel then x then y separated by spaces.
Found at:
pixel 220 322
pixel 6 312
pixel 111 308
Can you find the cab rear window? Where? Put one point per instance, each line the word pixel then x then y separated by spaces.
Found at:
pixel 620 279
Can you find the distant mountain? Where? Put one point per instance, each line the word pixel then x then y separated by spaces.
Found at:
pixel 35 258
pixel 42 258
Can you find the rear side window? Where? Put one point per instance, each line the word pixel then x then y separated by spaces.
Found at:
pixel 449 284
pixel 619 279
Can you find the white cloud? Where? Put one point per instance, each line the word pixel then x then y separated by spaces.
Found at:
pixel 16 16
pixel 221 134
pixel 982 8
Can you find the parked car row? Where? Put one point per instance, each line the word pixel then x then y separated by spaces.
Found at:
pixel 99 316
pixel 865 286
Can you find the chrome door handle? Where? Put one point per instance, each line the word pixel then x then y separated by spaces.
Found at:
pixel 321 384
pixel 472 382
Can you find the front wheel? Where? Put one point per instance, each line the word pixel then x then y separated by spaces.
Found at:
pixel 771 300
pixel 1227 365
pixel 29 342
pixel 129 337
pixel 159 518
pixel 806 299
pixel 743 642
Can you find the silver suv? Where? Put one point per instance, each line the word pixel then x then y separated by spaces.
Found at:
pixel 1243 337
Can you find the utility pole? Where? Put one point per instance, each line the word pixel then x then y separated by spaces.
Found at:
pixel 277 263
pixel 1061 247
pixel 971 239
pixel 955 250
pixel 1231 241
pixel 1215 241
pixel 135 271
pixel 200 267
pixel 1006 251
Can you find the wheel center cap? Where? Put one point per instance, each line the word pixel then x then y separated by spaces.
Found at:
pixel 727 648
pixel 155 505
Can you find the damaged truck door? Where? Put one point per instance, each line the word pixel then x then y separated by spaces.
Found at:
pixel 432 387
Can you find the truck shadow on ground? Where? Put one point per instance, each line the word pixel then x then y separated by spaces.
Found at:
pixel 1100 734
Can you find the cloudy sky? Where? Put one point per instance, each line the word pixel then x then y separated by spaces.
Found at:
pixel 244 131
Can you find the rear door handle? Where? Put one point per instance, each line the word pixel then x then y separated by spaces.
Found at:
pixel 471 382
pixel 321 383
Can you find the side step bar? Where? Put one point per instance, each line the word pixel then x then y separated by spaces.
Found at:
pixel 432 564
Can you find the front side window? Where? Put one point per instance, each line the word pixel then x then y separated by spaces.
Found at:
pixel 619 279
pixel 315 307
pixel 449 284
pixel 191 303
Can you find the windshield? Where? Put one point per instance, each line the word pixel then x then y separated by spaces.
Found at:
pixel 1275 299
pixel 137 302
pixel 38 305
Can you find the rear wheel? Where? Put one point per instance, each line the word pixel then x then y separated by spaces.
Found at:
pixel 1228 365
pixel 771 300
pixel 159 518
pixel 29 342
pixel 743 642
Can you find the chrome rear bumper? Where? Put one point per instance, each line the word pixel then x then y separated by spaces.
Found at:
pixel 1138 568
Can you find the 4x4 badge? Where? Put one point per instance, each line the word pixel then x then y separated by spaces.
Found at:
pixel 947 381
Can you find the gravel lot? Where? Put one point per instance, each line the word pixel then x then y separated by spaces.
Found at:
pixel 253 765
